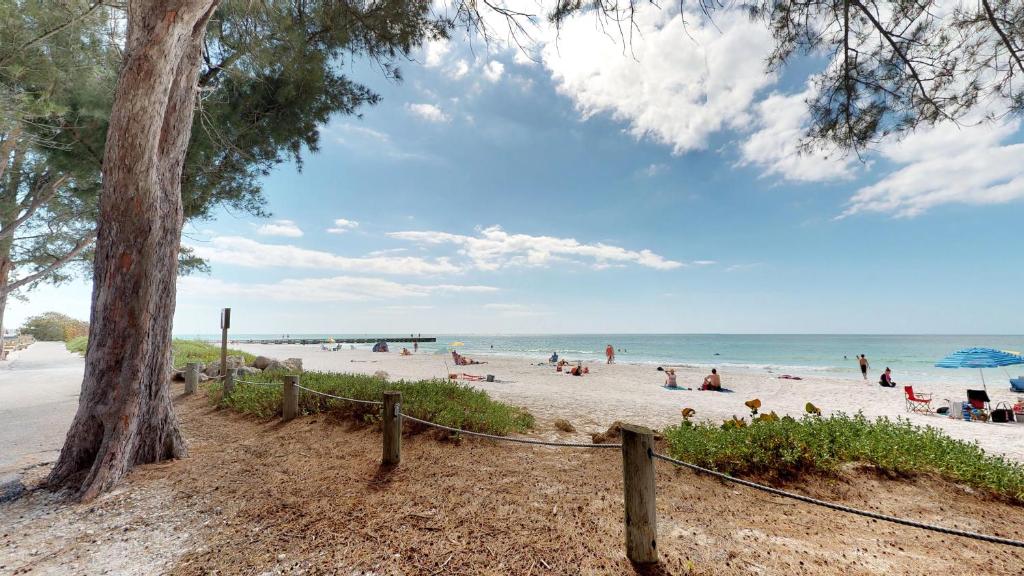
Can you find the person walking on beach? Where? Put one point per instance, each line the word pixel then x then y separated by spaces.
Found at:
pixel 864 366
pixel 415 345
pixel 610 353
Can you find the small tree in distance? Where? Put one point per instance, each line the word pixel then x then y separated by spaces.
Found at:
pixel 54 327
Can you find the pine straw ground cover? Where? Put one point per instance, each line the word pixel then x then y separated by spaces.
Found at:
pixel 309 497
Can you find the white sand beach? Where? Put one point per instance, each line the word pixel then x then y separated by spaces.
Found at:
pixel 634 393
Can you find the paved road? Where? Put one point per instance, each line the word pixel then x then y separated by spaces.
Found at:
pixel 39 390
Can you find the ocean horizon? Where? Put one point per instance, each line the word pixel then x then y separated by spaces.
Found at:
pixel 910 356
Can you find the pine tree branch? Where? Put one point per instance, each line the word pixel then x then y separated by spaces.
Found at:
pixel 57 263
pixel 1002 34
pixel 900 53
pixel 59 28
pixel 7 148
pixel 37 200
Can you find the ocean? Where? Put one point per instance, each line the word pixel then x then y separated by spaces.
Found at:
pixel 911 357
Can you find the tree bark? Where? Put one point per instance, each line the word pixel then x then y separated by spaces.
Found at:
pixel 125 415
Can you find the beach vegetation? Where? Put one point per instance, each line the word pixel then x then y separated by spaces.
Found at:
pixel 441 401
pixel 785 448
pixel 77 344
pixel 54 327
pixel 183 351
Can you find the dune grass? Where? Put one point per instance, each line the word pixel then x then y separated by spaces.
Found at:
pixel 444 402
pixel 786 447
pixel 184 351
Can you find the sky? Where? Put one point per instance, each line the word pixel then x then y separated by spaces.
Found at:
pixel 587 187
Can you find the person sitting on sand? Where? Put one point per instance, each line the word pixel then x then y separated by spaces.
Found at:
pixel 885 379
pixel 405 352
pixel 462 360
pixel 577 370
pixel 554 357
pixel 670 378
pixel 712 381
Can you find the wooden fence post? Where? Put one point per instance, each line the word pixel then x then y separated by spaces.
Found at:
pixel 392 429
pixel 229 383
pixel 290 398
pixel 638 485
pixel 191 377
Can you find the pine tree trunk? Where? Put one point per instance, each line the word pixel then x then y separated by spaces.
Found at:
pixel 125 415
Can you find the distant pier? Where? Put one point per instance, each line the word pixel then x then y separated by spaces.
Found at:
pixel 304 341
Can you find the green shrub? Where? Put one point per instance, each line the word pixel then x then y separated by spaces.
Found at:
pixel 184 351
pixel 439 401
pixel 54 327
pixel 77 344
pixel 786 447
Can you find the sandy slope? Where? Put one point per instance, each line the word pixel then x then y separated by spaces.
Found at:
pixel 633 393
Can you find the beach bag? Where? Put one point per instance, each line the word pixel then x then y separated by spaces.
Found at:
pixel 1002 413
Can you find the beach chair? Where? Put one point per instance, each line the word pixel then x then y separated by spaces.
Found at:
pixel 978 399
pixel 919 403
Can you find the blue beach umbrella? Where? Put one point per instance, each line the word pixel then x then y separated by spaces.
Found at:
pixel 980 358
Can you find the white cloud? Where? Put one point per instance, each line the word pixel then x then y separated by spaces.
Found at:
pixel 335 289
pixel 704 262
pixel 653 170
pixel 493 248
pixel 280 228
pixel 342 225
pixel 435 51
pixel 947 164
pixel 428 112
pixel 493 70
pixel 458 70
pixel 239 251
pixel 387 251
pixel 507 310
pixel 371 142
pixel 775 146
pixel 676 83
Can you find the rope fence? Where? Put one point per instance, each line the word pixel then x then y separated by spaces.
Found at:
pixel 840 507
pixel 332 396
pixel 254 383
pixel 638 458
pixel 508 438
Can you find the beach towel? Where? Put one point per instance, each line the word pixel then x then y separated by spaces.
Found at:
pixel 675 387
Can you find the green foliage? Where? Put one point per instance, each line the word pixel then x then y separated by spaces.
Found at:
pixel 77 344
pixel 54 327
pixel 183 351
pixel 784 448
pixel 441 401
pixel 186 351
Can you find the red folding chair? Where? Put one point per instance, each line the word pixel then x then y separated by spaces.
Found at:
pixel 919 403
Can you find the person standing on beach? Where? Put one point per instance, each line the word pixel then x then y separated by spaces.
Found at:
pixel 610 353
pixel 864 366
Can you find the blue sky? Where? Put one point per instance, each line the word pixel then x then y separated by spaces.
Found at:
pixel 594 191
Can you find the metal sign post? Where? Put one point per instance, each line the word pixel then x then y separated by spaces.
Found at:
pixel 225 323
